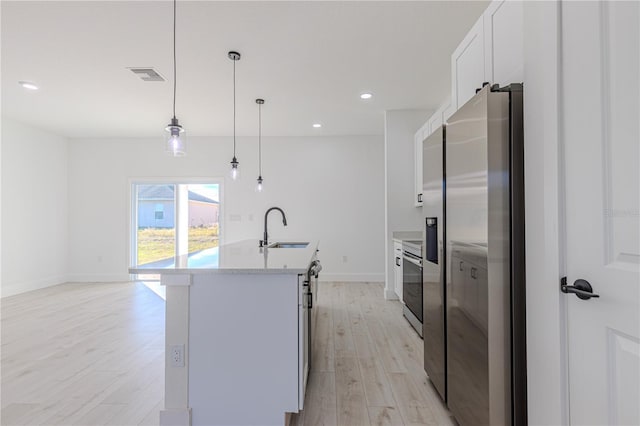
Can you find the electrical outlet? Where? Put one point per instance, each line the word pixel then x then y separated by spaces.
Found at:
pixel 345 259
pixel 177 355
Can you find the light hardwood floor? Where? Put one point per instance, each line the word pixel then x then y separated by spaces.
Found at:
pixel 92 354
pixel 367 363
pixel 83 354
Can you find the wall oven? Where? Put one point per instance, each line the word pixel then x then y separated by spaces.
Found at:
pixel 412 283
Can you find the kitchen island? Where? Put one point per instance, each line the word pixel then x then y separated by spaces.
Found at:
pixel 237 333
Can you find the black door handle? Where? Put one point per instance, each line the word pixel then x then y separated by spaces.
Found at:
pixel 580 288
pixel 398 261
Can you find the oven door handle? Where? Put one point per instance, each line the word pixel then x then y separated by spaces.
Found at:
pixel 417 262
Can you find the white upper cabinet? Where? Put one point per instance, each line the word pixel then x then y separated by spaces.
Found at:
pixel 468 65
pixel 448 111
pixel 491 52
pixel 504 42
pixel 435 121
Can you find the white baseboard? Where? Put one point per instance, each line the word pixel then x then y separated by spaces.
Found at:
pixel 98 278
pixel 12 289
pixel 175 417
pixel 390 295
pixel 376 278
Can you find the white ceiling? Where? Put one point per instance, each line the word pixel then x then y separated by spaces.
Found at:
pixel 309 60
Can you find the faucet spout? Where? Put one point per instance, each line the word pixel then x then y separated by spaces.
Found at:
pixel 265 241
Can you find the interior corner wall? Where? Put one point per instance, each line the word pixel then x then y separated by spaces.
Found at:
pixel 329 187
pixel 399 151
pixel 34 208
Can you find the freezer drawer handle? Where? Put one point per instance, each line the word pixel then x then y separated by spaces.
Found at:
pixel 580 288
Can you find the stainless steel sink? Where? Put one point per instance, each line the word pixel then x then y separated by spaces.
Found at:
pixel 281 244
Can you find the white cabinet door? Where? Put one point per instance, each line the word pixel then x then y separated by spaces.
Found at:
pixel 397 259
pixel 467 66
pixel 303 340
pixel 447 111
pixel 504 42
pixel 435 121
pixel 600 110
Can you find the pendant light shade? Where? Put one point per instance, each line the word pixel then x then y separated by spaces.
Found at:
pixel 176 144
pixel 235 171
pixel 259 187
pixel 176 140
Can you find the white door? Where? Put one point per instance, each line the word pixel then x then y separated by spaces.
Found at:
pixel 601 130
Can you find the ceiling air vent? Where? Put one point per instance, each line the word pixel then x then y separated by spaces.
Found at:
pixel 147 74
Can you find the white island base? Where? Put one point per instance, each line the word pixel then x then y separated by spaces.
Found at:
pixel 243 341
pixel 243 333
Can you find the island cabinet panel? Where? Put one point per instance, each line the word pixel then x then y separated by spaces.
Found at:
pixel 243 348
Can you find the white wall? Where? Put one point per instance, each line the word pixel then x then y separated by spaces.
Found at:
pixel 399 149
pixel 546 306
pixel 34 208
pixel 331 188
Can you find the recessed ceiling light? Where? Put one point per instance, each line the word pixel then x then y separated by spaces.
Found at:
pixel 366 96
pixel 28 85
pixel 317 125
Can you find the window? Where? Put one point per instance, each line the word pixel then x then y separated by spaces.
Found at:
pixel 159 213
pixel 169 219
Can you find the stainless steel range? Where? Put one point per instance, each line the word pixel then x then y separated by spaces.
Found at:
pixel 412 283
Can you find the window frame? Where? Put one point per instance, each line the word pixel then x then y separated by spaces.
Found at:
pixel 132 225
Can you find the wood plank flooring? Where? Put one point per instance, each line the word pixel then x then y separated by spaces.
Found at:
pixel 82 354
pixel 92 354
pixel 367 363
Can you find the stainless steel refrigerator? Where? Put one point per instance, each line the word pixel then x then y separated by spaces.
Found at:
pixel 474 310
pixel 433 262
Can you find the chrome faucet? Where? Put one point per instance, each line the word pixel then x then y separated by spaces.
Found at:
pixel 265 242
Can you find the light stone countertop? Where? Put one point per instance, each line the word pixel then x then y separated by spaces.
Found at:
pixel 243 257
pixel 407 235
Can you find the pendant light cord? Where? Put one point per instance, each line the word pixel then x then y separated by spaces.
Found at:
pixel 234 108
pixel 174 58
pixel 260 140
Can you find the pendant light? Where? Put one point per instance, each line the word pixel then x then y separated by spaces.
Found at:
pixel 260 102
pixel 176 141
pixel 234 56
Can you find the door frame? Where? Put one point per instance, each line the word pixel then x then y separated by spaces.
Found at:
pixel 547 344
pixel 169 180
